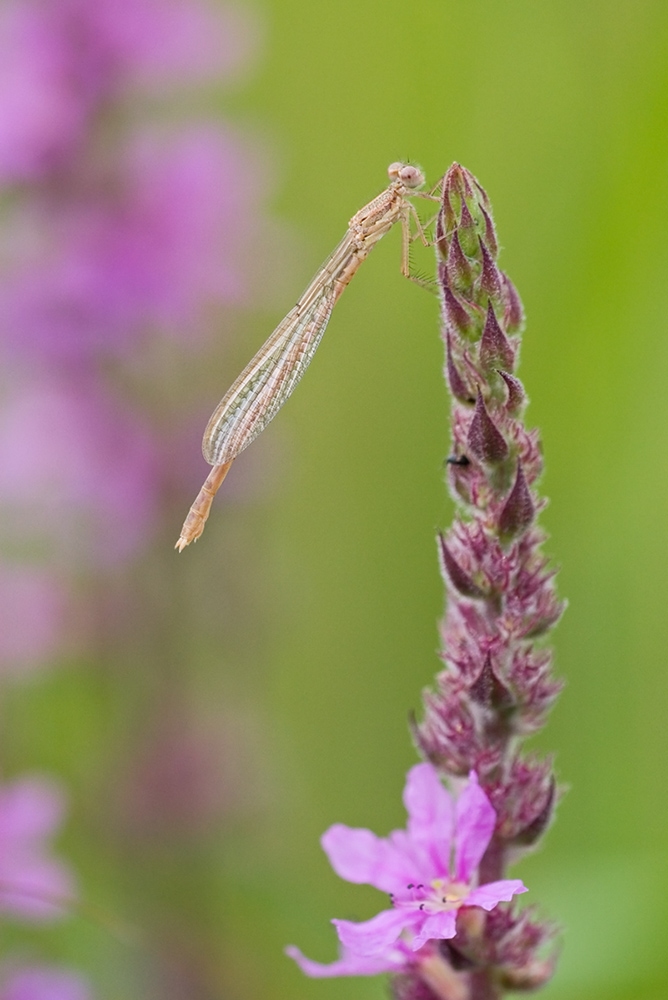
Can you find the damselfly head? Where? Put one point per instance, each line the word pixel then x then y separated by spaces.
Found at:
pixel 409 175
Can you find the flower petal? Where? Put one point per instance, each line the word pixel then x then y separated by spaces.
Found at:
pixel 474 823
pixel 487 896
pixel 430 815
pixel 31 809
pixel 437 926
pixel 375 936
pixel 349 964
pixel 43 982
pixel 360 856
pixel 35 888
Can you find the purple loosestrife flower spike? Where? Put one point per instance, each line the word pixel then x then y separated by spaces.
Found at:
pixel 496 686
pixel 447 934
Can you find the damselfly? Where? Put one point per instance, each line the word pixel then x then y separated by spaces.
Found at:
pixel 270 378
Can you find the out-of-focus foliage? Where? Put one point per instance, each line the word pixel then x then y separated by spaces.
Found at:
pixel 280 656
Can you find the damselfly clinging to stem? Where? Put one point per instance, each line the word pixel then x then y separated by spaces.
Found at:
pixel 269 379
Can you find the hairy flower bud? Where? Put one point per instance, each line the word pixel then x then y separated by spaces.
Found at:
pixel 490 279
pixel 489 691
pixel 455 381
pixel 467 231
pixel 490 233
pixel 518 511
pixel 516 395
pixel 454 312
pixel 495 349
pixel 455 574
pixel 484 439
pixel 514 313
pixel 459 269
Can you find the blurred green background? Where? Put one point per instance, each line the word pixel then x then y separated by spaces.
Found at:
pixel 561 110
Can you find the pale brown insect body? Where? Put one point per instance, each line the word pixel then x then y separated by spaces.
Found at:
pixel 270 377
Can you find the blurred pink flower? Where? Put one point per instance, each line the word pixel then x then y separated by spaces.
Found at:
pixel 42 109
pixel 185 241
pixel 159 42
pixel 63 61
pixel 172 239
pixel 78 474
pixel 33 612
pixel 44 983
pixel 32 882
pixel 191 770
pixel 429 870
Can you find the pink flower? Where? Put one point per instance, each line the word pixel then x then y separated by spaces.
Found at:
pixel 41 113
pixel 77 472
pixel 172 240
pixel 429 870
pixel 44 983
pixel 63 61
pixel 33 884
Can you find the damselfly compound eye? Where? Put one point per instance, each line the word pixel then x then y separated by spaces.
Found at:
pixel 411 176
pixel 394 170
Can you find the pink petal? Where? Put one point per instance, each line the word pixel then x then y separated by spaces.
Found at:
pixel 436 927
pixel 349 964
pixel 31 809
pixel 487 896
pixel 373 937
pixel 430 815
pixel 45 983
pixel 475 821
pixel 418 858
pixel 35 889
pixel 360 856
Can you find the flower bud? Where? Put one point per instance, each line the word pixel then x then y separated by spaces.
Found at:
pixel 514 312
pixel 516 396
pixel 490 279
pixel 467 232
pixel 518 511
pixel 455 381
pixel 484 439
pixel 490 233
pixel 459 269
pixel 455 313
pixel 451 570
pixel 487 690
pixel 530 977
pixel 533 831
pixel 495 348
